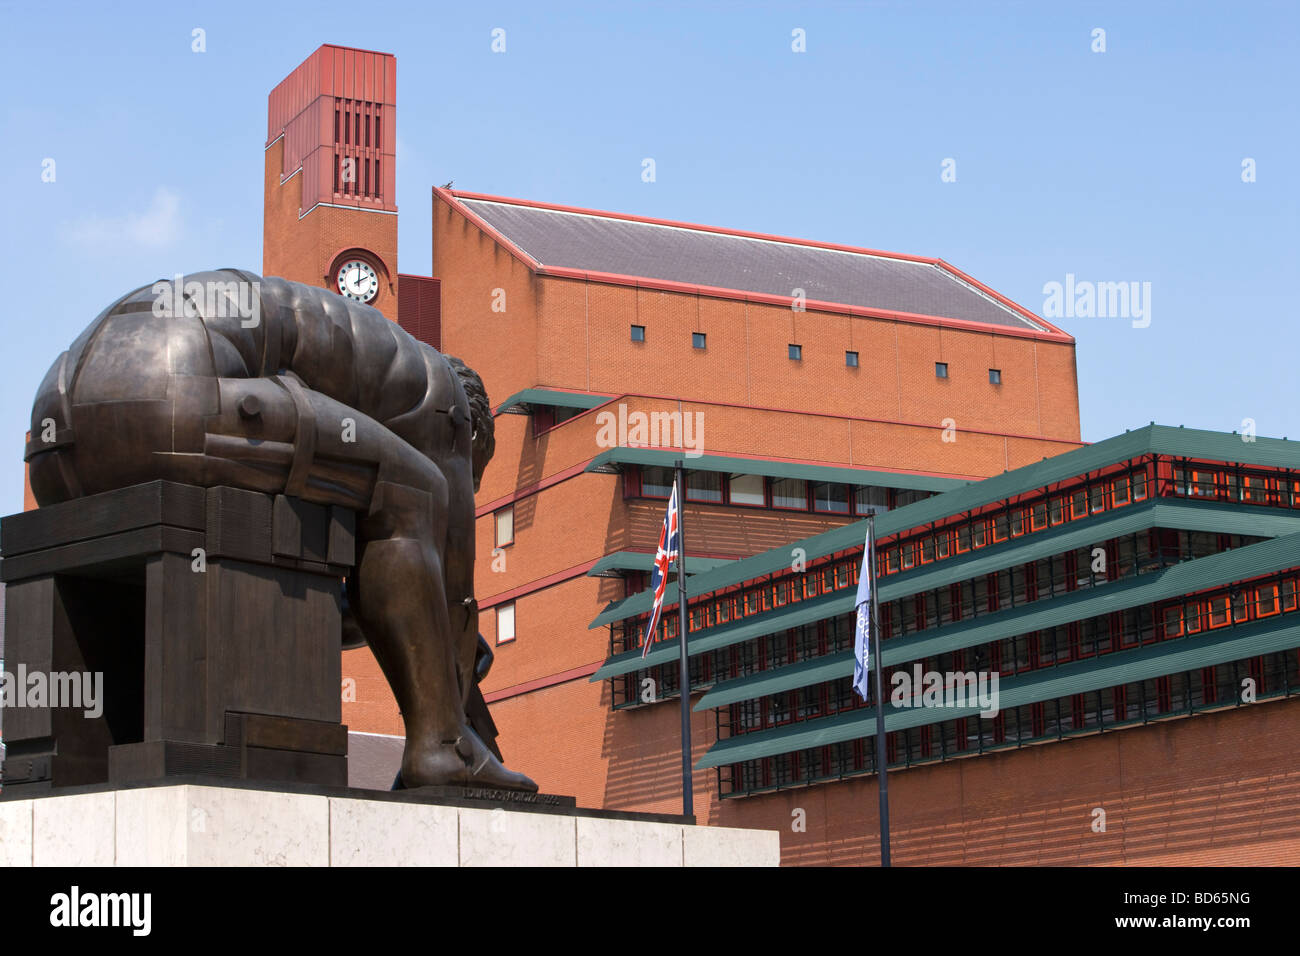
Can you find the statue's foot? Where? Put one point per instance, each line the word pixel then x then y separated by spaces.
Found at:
pixel 467 762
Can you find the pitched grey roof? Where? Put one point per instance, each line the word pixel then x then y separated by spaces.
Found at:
pixel 594 242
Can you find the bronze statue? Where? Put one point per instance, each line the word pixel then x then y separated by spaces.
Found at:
pixel 228 378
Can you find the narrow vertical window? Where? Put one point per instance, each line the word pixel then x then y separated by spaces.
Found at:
pixel 505 526
pixel 505 623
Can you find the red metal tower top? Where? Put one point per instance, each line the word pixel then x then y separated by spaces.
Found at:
pixel 337 113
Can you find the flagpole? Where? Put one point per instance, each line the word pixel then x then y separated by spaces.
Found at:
pixel 882 756
pixel 684 667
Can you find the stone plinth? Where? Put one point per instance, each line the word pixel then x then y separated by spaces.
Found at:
pixel 191 824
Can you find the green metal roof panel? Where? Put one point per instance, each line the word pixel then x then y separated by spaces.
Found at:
pixel 620 561
pixel 546 396
pixel 1153 439
pixel 1108 670
pixel 618 457
pixel 1264 557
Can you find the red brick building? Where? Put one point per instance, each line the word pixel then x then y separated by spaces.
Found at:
pixel 804 385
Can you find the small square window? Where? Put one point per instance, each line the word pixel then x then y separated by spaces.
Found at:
pixel 505 526
pixel 638 333
pixel 995 376
pixel 505 623
pixel 796 352
pixel 940 369
pixel 851 359
pixel 697 339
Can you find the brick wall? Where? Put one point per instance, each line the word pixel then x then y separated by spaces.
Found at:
pixel 303 250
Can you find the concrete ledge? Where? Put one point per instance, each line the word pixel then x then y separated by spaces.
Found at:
pixel 198 825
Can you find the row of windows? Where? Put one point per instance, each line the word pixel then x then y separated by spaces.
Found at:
pixel 1087 499
pixel 1057 574
pixel 1052 576
pixel 1006 588
pixel 941 371
pixel 700 340
pixel 1270 675
pixel 1075 641
pixel 1236 485
pixel 1050 647
pixel 757 491
pixel 756 599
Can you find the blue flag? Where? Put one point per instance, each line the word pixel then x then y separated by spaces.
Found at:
pixel 862 633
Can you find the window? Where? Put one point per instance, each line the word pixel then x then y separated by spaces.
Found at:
pixel 505 526
pixel 851 359
pixel 995 376
pixel 1266 600
pixel 1218 611
pixel 832 498
pixel 1120 490
pixel 1079 504
pixel 871 501
pixel 796 352
pixel 1139 485
pixel 1173 621
pixel 697 340
pixel 505 622
pixel 747 490
pixel 704 486
pixel 656 481
pixel 790 493
pixel 638 333
pixel 940 369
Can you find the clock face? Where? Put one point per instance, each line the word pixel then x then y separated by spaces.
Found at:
pixel 357 280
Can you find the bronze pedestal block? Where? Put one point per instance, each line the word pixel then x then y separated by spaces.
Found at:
pixel 209 619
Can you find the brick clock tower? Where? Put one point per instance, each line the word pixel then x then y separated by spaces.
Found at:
pixel 330 210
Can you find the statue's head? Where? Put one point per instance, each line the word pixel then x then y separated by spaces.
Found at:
pixel 480 412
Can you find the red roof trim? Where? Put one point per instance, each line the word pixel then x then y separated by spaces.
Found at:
pixel 1050 334
pixel 514 690
pixel 1002 298
pixel 540 584
pixel 450 199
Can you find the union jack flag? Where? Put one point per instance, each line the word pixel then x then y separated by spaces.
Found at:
pixel 670 544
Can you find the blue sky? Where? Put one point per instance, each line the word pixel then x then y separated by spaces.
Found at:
pixel 1115 166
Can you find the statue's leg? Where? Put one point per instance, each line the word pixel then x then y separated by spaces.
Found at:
pixel 415 524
